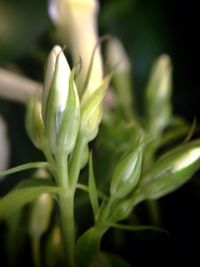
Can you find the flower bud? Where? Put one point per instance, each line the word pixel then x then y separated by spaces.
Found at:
pixel 34 123
pixel 158 94
pixel 60 103
pixel 91 111
pixel 40 215
pixel 128 171
pixel 171 171
pixel 120 210
pixel 118 60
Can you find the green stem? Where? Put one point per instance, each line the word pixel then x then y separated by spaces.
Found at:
pixel 75 166
pixel 66 205
pixel 36 251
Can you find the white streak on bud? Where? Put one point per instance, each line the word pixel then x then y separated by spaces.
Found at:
pixel 57 75
pixel 55 102
pixel 187 159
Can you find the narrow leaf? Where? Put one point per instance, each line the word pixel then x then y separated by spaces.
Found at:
pixel 23 167
pixel 21 196
pixel 87 247
pixel 137 227
pixel 93 194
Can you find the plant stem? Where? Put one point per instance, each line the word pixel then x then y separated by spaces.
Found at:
pixel 66 205
pixel 36 251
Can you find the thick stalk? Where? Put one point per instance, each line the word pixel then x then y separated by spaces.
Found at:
pixel 66 205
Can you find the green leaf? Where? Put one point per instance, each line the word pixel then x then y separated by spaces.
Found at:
pixel 87 247
pixel 93 194
pixel 26 166
pixel 136 227
pixel 23 194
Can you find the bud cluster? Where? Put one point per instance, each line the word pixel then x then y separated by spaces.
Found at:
pixel 60 118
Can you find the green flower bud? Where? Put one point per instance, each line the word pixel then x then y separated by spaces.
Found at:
pixel 40 215
pixel 120 210
pixel 60 103
pixel 158 94
pixel 34 123
pixel 91 111
pixel 171 171
pixel 128 171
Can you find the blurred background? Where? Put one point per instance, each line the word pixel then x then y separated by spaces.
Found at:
pixel 147 29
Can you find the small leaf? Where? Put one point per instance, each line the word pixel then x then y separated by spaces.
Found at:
pixel 23 195
pixel 26 166
pixel 136 227
pixel 87 247
pixel 93 194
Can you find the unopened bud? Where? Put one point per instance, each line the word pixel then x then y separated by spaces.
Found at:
pixel 34 123
pixel 128 171
pixel 91 111
pixel 158 96
pixel 40 215
pixel 121 210
pixel 118 60
pixel 171 171
pixel 60 103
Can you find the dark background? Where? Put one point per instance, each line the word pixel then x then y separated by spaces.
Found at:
pixel 147 29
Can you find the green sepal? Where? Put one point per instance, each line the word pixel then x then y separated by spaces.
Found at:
pixel 70 123
pixel 91 110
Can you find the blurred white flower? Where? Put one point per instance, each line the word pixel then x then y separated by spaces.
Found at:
pixel 4 146
pixel 76 22
pixel 16 87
